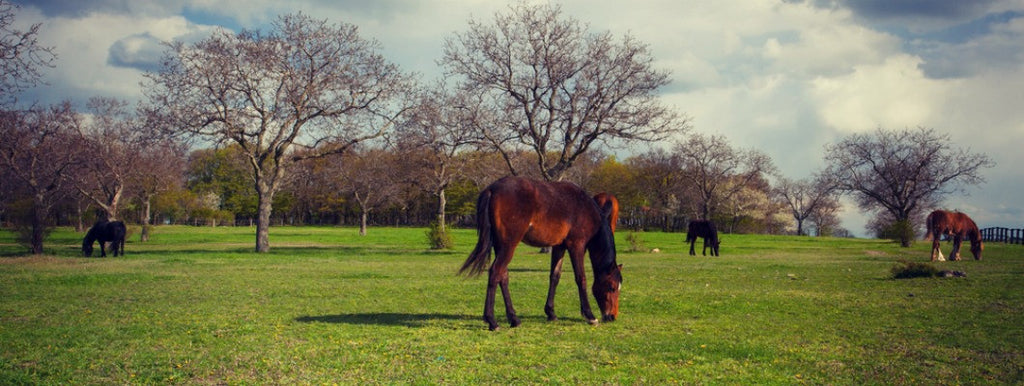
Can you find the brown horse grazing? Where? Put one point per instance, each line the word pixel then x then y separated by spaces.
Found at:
pixel 706 230
pixel 555 214
pixel 956 225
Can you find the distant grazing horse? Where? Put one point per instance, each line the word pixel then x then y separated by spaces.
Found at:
pixel 555 214
pixel 704 229
pixel 105 231
pixel 956 225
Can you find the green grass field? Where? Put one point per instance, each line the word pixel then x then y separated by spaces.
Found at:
pixel 196 306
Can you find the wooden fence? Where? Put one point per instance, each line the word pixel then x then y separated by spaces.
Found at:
pixel 1003 235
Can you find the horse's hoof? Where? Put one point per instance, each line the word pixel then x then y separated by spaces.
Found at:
pixel 515 323
pixel 494 328
pixel 552 318
pixel 593 322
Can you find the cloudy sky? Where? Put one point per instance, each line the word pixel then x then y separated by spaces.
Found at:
pixel 784 76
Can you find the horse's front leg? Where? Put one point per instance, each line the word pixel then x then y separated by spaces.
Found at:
pixel 692 242
pixel 576 257
pixel 704 247
pixel 103 249
pixel 557 256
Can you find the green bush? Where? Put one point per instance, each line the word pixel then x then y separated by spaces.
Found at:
pixel 439 238
pixel 900 231
pixel 910 269
pixel 635 244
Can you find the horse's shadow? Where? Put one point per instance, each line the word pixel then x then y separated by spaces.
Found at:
pixel 388 319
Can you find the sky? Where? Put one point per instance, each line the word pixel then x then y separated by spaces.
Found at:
pixel 785 77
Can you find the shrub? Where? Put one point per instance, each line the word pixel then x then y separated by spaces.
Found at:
pixel 900 231
pixel 909 269
pixel 439 238
pixel 635 244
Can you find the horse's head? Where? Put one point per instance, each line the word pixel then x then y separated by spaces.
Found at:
pixel 87 249
pixel 606 290
pixel 976 248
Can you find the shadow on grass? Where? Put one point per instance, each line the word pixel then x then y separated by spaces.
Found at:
pixel 387 319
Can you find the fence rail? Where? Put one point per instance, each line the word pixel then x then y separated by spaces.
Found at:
pixel 1003 235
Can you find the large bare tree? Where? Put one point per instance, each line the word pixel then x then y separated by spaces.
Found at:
pixel 35 156
pixel 304 84
pixel 21 54
pixel 557 88
pixel 902 171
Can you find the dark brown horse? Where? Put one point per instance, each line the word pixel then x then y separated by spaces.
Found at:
pixel 706 230
pixel 553 214
pixel 104 231
pixel 956 225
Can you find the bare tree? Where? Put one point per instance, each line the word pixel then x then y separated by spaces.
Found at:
pixel 21 55
pixel 902 172
pixel 826 220
pixel 34 153
pixel 305 84
pixel 557 89
pixel 805 198
pixel 716 171
pixel 443 125
pixel 370 179
pixel 159 168
pixel 110 144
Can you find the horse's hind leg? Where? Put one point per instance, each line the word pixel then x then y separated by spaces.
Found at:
pixel 557 256
pixel 497 276
pixel 955 254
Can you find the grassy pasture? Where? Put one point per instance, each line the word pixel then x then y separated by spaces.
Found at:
pixel 197 306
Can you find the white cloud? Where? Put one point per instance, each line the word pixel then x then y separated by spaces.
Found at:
pixel 893 94
pixel 84 46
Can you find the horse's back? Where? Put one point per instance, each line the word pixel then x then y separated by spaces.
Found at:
pixel 542 213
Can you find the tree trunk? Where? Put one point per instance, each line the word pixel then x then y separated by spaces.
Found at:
pixel 442 201
pixel 145 219
pixel 37 226
pixel 263 221
pixel 362 222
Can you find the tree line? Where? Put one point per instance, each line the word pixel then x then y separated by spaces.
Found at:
pixel 307 123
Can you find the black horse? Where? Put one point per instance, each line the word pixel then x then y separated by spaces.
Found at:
pixel 105 231
pixel 704 229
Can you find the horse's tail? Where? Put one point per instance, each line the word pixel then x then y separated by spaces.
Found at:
pixel 481 255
